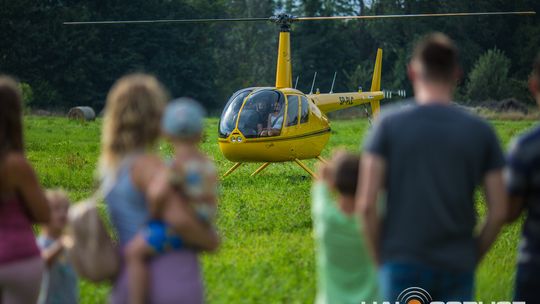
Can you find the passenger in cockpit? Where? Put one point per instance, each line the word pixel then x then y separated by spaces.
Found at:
pixel 275 121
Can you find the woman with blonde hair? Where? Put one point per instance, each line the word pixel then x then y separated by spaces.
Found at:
pixel 22 203
pixel 129 169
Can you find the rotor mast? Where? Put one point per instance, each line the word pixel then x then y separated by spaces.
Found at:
pixel 284 64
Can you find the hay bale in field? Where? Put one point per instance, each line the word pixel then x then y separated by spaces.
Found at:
pixel 82 113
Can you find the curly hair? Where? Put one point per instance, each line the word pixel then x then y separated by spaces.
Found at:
pixel 132 119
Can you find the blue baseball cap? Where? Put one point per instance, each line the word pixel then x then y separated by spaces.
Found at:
pixel 183 118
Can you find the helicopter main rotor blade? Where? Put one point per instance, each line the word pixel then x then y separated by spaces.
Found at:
pixel 167 21
pixel 412 16
pixel 284 18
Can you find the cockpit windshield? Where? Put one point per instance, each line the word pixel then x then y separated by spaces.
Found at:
pixel 262 114
pixel 230 113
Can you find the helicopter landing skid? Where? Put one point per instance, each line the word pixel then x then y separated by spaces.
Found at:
pixel 322 160
pixel 265 165
pixel 232 169
pixel 301 164
pixel 260 169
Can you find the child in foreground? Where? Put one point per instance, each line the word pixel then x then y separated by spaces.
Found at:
pixel 192 175
pixel 60 284
pixel 345 269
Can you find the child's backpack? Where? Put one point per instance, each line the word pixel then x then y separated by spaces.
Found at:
pixel 92 251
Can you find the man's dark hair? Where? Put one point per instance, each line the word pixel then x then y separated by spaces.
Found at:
pixel 438 56
pixel 347 168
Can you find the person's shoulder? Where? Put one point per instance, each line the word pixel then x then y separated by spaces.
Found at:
pixel 469 119
pixel 15 160
pixel 402 108
pixel 16 163
pixel 529 138
pixel 148 160
pixel 397 112
pixel 144 168
pixel 528 143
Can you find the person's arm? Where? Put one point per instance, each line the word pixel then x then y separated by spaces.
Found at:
pixel 372 171
pixel 150 176
pixel 515 207
pixel 517 180
pixel 496 201
pixel 182 218
pixel 28 187
pixel 269 122
pixel 51 253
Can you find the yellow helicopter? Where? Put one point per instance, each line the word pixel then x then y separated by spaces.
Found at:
pixel 282 124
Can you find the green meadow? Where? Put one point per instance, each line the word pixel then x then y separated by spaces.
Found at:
pixel 267 251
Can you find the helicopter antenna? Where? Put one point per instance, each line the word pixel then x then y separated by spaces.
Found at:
pixel 296 82
pixel 333 82
pixel 313 83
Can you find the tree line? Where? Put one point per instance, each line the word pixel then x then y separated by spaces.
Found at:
pixel 64 66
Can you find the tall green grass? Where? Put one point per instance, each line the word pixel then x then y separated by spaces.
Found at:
pixel 267 251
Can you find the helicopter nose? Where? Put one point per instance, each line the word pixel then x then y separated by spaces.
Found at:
pixel 236 138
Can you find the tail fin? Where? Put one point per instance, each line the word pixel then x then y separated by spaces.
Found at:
pixel 376 81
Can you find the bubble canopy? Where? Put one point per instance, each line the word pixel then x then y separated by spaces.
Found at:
pixel 257 113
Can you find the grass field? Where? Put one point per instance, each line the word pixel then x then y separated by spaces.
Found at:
pixel 267 252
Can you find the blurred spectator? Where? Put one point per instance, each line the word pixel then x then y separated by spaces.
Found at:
pixel 430 158
pixel 22 202
pixel 523 184
pixel 132 175
pixel 193 175
pixel 60 283
pixel 345 269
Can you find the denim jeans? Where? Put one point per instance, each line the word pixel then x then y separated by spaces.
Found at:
pixel 442 285
pixel 527 283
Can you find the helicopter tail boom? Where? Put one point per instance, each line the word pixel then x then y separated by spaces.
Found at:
pixel 338 101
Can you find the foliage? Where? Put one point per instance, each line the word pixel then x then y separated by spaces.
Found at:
pixel 360 77
pixel 76 65
pixel 267 254
pixel 27 94
pixel 489 79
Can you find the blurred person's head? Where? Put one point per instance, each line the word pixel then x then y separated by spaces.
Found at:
pixel 183 121
pixel 341 174
pixel 59 207
pixel 345 173
pixel 132 119
pixel 534 80
pixel 11 134
pixel 434 69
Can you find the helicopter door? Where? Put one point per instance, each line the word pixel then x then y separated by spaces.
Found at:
pixel 305 124
pixel 304 110
pixel 292 111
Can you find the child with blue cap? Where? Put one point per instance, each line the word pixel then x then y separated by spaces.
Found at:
pixel 192 175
